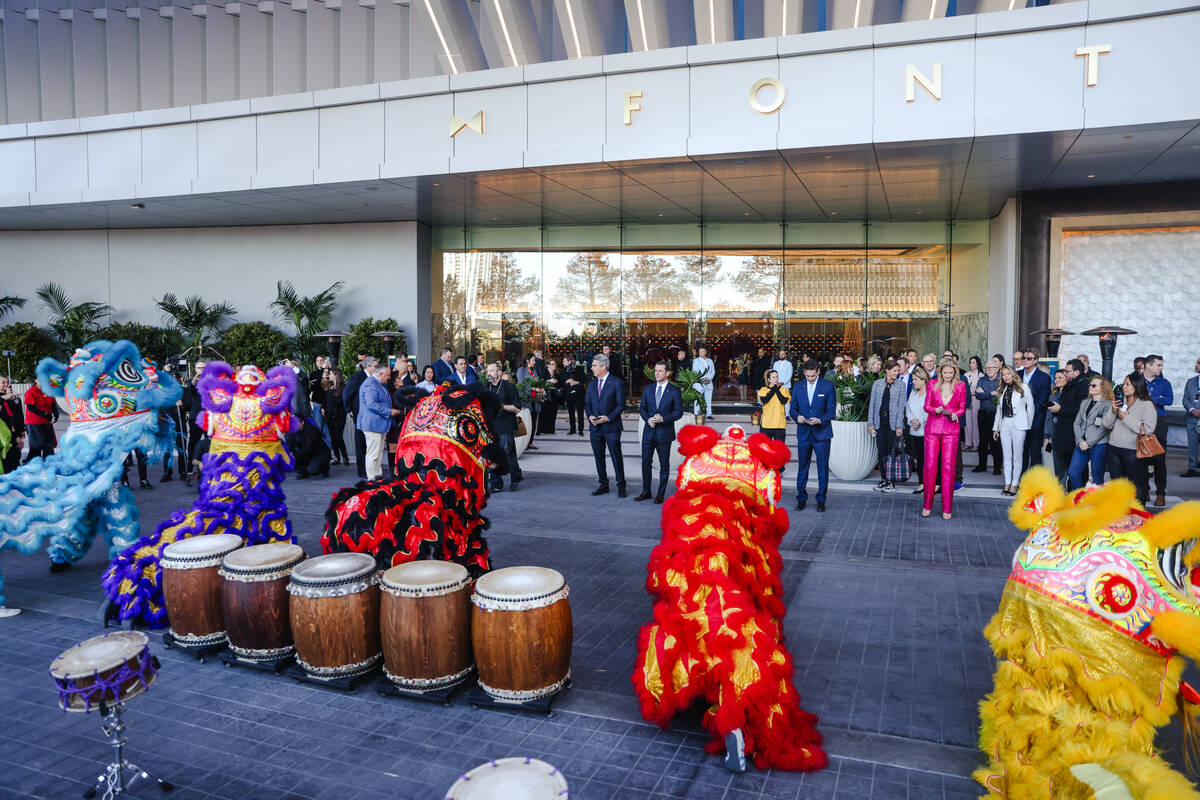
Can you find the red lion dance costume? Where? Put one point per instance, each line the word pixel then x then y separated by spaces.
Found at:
pixel 431 510
pixel 718 613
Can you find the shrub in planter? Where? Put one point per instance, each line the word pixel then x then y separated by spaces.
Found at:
pixel 31 344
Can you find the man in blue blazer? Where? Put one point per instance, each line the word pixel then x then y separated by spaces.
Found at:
pixel 812 409
pixel 374 418
pixel 443 368
pixel 462 374
pixel 662 405
pixel 603 405
pixel 1039 386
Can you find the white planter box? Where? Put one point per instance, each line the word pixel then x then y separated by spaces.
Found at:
pixel 676 456
pixel 852 454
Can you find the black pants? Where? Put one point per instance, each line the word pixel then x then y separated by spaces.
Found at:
pixel 885 443
pixel 649 448
pixel 315 463
pixel 1124 463
pixel 141 466
pixel 533 421
pixel 195 434
pixel 1033 443
pixel 962 436
pixel 12 458
pixel 495 479
pixel 41 440
pixel 337 438
pixel 1062 462
pixel 613 442
pixel 778 434
pixel 916 448
pixel 988 445
pixel 1159 462
pixel 360 452
pixel 575 412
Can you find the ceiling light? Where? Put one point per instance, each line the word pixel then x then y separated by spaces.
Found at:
pixel 437 184
pixel 660 215
pixel 920 212
pixel 1091 176
pixel 834 213
pixel 137 205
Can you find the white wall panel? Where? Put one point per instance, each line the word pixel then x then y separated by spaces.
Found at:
pixel 566 122
pixel 321 50
pixel 722 120
pixel 168 159
pixel 154 60
pixel 122 56
pixel 287 148
pixel 187 58
pixel 61 164
pixel 114 159
pixel 661 126
pixel 951 117
pixel 18 172
pixel 77 259
pixel 1028 82
pixel 287 49
pixel 351 142
pixel 56 63
pixel 254 52
pixel 21 67
pixel 415 136
pixel 225 148
pixel 356 58
pixel 91 76
pixel 220 56
pixel 505 123
pixel 822 110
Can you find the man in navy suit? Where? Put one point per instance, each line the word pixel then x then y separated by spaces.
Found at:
pixel 1039 386
pixel 463 374
pixel 605 400
pixel 443 368
pixel 812 409
pixel 662 405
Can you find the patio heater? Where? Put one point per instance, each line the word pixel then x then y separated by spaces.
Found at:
pixel 1108 344
pixel 335 337
pixel 389 337
pixel 1053 344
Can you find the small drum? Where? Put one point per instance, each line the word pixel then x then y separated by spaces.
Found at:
pixel 334 612
pixel 107 669
pixel 512 779
pixel 192 587
pixel 521 630
pixel 254 600
pixel 425 624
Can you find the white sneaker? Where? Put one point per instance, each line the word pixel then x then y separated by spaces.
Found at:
pixel 888 488
pixel 879 487
pixel 735 751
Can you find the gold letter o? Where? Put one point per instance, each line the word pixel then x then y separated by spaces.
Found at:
pixel 776 104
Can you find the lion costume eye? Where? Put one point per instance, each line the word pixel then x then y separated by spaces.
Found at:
pixel 468 430
pixel 1171 560
pixel 126 372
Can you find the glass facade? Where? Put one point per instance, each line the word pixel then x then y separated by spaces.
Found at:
pixel 645 291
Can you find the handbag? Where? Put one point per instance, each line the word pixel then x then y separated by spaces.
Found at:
pixel 897 467
pixel 1148 445
pixel 521 430
pixel 756 418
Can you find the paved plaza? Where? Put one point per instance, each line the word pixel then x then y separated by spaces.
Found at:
pixel 885 613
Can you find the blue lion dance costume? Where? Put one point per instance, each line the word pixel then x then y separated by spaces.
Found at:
pixel 241 491
pixel 66 499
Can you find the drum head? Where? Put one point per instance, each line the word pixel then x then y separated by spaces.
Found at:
pixel 511 779
pixel 519 583
pixel 207 545
pixel 426 575
pixel 273 555
pixel 334 568
pixel 99 654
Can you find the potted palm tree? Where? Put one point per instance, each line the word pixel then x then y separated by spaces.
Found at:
pixel 197 319
pixel 72 324
pixel 307 315
pixel 852 454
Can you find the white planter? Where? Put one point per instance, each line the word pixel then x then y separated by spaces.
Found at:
pixel 852 454
pixel 676 456
pixel 521 442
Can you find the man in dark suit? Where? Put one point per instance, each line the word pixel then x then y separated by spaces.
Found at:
pixel 443 368
pixel 662 405
pixel 812 409
pixel 504 425
pixel 603 405
pixel 614 360
pixel 350 401
pixel 574 385
pixel 1039 386
pixel 463 374
pixel 1063 436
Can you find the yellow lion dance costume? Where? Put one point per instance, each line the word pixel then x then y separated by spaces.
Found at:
pixel 1098 608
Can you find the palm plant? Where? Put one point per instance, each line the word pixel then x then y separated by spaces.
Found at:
pixel 73 324
pixel 9 304
pixel 687 380
pixel 307 315
pixel 197 319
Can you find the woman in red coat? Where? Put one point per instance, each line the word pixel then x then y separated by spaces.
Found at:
pixel 41 412
pixel 945 402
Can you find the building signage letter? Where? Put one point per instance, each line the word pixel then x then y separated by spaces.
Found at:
pixel 457 124
pixel 1093 53
pixel 774 105
pixel 631 106
pixel 913 76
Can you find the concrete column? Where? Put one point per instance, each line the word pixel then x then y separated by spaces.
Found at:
pixel 590 27
pixel 648 28
pixel 321 47
pixel 1003 246
pixel 390 33
pixel 514 28
pixel 415 310
pixel 121 51
pixel 90 83
pixel 287 50
pixel 254 51
pixel 456 39
pixel 785 17
pixel 21 65
pixel 154 58
pixel 220 55
pixel 924 9
pixel 423 46
pixel 356 61
pixel 187 58
pixel 861 13
pixel 56 64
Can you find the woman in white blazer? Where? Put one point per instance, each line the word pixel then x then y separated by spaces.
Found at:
pixel 1014 417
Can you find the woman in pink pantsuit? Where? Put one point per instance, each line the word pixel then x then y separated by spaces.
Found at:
pixel 945 402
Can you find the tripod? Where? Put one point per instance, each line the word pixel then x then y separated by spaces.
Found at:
pixel 113 779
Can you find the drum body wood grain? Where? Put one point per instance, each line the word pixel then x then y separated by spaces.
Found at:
pixel 521 631
pixel 192 587
pixel 110 669
pixel 334 612
pixel 254 600
pixel 425 625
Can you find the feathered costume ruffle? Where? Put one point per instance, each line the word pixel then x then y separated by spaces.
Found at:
pixel 717 633
pixel 241 492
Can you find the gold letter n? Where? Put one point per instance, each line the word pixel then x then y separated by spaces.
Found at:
pixel 913 76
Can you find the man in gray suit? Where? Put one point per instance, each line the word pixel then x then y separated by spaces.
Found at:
pixel 1191 405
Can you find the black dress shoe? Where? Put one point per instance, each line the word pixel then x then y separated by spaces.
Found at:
pixel 167 478
pixel 599 491
pixel 980 468
pixel 58 566
pixel 658 501
pixel 512 487
pixel 146 485
pixel 800 504
pixel 620 493
pixel 302 476
pixel 641 497
pixel 1191 473
pixel 820 506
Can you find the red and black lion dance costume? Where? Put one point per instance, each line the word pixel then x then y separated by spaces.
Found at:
pixel 717 633
pixel 431 509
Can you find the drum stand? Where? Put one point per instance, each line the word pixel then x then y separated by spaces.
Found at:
pixel 113 781
pixel 386 687
pixel 197 651
pixel 477 697
pixel 273 665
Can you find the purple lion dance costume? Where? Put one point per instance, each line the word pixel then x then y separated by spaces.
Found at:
pixel 241 491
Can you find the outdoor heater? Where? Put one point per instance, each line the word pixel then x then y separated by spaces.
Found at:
pixel 335 337
pixel 1053 343
pixel 1108 344
pixel 389 337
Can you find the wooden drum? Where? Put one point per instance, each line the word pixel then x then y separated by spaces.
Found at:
pixel 425 624
pixel 254 600
pixel 334 611
pixel 192 587
pixel 521 630
pixel 109 669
